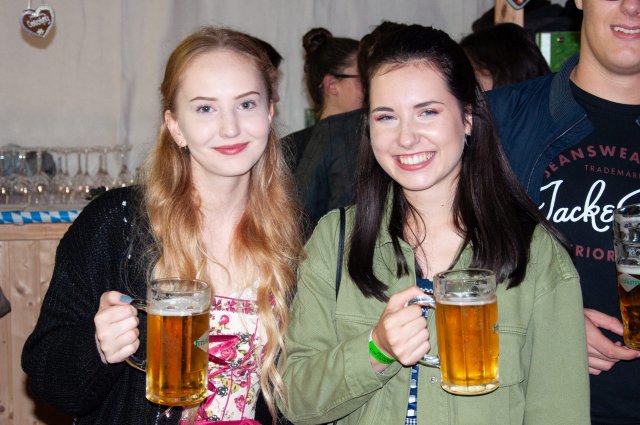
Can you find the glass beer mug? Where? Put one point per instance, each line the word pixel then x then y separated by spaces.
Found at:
pixel 466 311
pixel 626 239
pixel 177 341
pixel 466 318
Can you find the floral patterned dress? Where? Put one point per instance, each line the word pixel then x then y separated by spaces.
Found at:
pixel 235 350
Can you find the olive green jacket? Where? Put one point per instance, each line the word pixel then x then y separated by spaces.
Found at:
pixel 542 363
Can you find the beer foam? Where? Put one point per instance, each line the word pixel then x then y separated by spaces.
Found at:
pixel 628 269
pixel 176 307
pixel 463 301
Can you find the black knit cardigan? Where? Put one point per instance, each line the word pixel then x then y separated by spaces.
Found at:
pixel 97 254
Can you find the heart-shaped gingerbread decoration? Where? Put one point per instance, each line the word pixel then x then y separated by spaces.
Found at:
pixel 38 22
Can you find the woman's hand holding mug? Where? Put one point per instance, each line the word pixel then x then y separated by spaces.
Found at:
pixel 116 327
pixel 401 332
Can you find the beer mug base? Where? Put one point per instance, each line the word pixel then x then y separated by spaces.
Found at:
pixel 470 389
pixel 176 401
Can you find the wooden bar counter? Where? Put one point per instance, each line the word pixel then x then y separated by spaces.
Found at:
pixel 27 255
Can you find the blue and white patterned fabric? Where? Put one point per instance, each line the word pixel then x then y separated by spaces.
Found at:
pixel 412 406
pixel 27 217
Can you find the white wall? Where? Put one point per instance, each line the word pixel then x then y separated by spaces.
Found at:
pixel 94 80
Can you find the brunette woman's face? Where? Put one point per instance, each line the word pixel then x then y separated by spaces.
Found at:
pixel 417 128
pixel 222 114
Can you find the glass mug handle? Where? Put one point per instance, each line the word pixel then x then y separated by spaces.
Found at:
pixel 428 305
pixel 132 360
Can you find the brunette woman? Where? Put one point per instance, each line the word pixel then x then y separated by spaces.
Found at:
pixel 434 193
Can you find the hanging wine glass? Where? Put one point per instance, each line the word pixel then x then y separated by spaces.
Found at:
pixel 123 178
pixel 61 182
pixel 20 184
pixel 80 191
pixel 102 180
pixel 87 178
pixel 40 182
pixel 5 186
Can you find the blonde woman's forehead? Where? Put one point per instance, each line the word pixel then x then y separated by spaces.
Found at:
pixel 219 58
pixel 222 72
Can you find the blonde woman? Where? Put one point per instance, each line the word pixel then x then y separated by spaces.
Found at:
pixel 215 204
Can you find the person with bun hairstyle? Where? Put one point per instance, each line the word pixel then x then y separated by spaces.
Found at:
pixel 332 81
pixel 331 73
pixel 216 203
pixel 324 178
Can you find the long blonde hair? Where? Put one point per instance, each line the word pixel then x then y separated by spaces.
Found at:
pixel 267 239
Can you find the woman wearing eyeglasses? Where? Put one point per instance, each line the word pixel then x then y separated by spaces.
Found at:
pixel 332 80
pixel 331 73
pixel 321 156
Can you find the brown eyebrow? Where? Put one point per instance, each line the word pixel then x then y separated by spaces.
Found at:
pixel 427 103
pixel 215 98
pixel 418 106
pixel 382 109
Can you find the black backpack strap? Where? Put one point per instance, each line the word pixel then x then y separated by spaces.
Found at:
pixel 340 251
pixel 340 257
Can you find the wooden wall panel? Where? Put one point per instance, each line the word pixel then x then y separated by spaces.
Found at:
pixel 27 255
pixel 6 397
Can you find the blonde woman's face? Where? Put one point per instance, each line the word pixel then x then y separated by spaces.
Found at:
pixel 222 115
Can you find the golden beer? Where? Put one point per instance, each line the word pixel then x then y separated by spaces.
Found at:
pixel 626 243
pixel 177 340
pixel 468 346
pixel 629 293
pixel 177 357
pixel 466 319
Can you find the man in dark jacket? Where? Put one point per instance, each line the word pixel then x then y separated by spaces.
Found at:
pixel 573 139
pixel 326 173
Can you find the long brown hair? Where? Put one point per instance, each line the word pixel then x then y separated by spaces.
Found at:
pixel 490 210
pixel 266 241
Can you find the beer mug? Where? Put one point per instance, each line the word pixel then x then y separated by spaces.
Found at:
pixel 626 240
pixel 177 341
pixel 466 319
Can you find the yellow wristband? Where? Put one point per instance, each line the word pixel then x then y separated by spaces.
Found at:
pixel 377 354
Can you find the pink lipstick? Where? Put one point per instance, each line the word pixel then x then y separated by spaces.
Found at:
pixel 231 149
